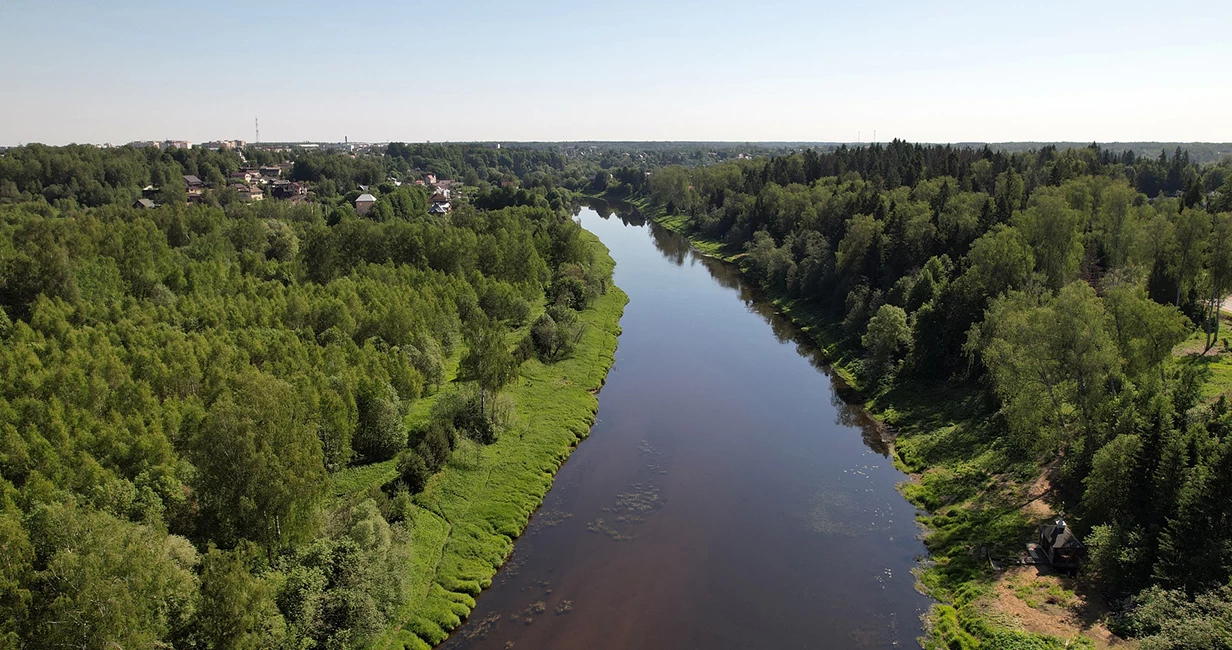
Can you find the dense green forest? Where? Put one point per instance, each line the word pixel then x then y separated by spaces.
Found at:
pixel 1016 314
pixel 235 425
pixel 191 393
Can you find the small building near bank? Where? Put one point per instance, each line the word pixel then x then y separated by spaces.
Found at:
pixel 1060 546
pixel 364 203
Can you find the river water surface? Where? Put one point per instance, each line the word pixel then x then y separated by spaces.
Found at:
pixel 726 497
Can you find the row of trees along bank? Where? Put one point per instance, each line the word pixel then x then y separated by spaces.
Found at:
pixel 1045 291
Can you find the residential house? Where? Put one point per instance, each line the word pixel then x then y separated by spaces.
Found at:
pixel 144 203
pixel 194 187
pixel 1059 545
pixel 248 192
pixel 287 189
pixel 364 203
pixel 440 204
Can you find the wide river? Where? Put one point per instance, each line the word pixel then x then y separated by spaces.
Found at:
pixel 726 498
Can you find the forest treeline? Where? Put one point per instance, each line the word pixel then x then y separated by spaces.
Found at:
pixel 180 383
pixel 1056 282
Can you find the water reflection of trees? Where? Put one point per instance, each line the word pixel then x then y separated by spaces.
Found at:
pixel 627 214
pixel 678 250
pixel 786 331
pixel 674 247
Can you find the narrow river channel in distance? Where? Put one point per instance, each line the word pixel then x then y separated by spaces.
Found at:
pixel 726 497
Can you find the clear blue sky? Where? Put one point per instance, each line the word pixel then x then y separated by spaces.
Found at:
pixel 812 70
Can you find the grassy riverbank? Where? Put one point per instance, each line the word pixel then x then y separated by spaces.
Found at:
pixel 979 502
pixel 464 524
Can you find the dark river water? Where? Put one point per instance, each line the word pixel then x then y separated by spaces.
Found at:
pixel 726 497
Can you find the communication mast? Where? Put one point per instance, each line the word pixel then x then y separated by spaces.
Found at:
pixel 257 123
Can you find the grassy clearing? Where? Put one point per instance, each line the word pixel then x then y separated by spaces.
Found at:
pixel 976 496
pixel 1218 361
pixel 465 521
pixel 352 482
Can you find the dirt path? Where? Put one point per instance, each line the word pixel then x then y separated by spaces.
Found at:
pixel 1039 601
pixel 1036 599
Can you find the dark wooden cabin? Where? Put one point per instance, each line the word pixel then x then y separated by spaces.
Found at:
pixel 1060 546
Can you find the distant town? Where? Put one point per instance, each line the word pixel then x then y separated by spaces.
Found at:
pixel 236 145
pixel 255 183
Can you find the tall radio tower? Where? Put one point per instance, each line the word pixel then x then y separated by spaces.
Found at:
pixel 257 123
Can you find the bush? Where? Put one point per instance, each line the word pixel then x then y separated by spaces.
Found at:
pixel 545 338
pixel 500 302
pixel 569 290
pixel 524 350
pixel 380 434
pixel 1170 620
pixel 555 334
pixel 462 410
pixel 477 426
pixel 437 443
pixel 888 334
pixel 427 356
pixel 401 506
pixel 413 471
